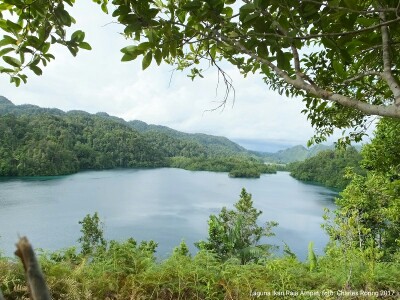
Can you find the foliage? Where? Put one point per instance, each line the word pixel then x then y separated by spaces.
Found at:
pixel 368 214
pixel 129 273
pixel 236 234
pixel 312 258
pixel 293 154
pixel 328 167
pixel 209 144
pixel 338 56
pixel 237 166
pixel 182 249
pixel 382 154
pixel 31 28
pixel 244 173
pixel 92 234
pixel 56 145
pixel 41 141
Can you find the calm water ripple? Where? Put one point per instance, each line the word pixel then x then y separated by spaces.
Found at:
pixel 166 205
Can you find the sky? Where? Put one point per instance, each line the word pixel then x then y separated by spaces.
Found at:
pixel 97 81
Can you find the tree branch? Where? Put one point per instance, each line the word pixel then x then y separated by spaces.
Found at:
pixel 361 12
pixel 280 28
pixel 362 75
pixel 387 62
pixel 312 89
pixel 36 283
pixel 331 34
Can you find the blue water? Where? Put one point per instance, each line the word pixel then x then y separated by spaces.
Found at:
pixel 165 205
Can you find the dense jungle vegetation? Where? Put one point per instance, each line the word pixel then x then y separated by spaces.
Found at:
pixel 328 167
pixel 361 261
pixel 236 166
pixel 39 142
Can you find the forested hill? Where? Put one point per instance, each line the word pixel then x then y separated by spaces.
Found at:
pixel 293 154
pixel 213 144
pixel 328 167
pixel 43 141
pixel 169 141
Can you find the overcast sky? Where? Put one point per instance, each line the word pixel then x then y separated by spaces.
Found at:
pixel 98 81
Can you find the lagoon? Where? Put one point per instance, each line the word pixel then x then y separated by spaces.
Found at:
pixel 166 205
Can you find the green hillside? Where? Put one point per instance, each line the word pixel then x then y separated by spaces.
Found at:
pixel 43 141
pixel 293 154
pixel 213 144
pixel 328 167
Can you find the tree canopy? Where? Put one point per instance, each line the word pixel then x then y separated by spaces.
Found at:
pixel 367 217
pixel 328 167
pixel 339 56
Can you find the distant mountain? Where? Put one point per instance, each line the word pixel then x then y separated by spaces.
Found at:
pixel 6 107
pixel 173 142
pixel 215 144
pixel 292 154
pixel 170 141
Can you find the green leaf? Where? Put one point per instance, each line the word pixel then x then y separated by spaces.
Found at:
pixel 351 3
pixel 192 5
pixel 36 70
pixel 5 6
pixel 158 56
pixel 151 36
pixel 322 106
pixel 7 40
pixel 63 16
pixel 338 67
pixel 147 60
pixel 345 56
pixel 104 7
pixel 49 56
pixel 13 26
pixel 45 47
pixel 262 51
pixel 250 18
pixel 280 58
pixel 143 46
pixel 12 61
pixel 128 57
pixel 16 80
pixel 265 69
pixel 247 8
pixel 6 50
pixel 328 43
pixel 129 49
pixel 23 77
pixel 73 50
pixel 6 70
pixel 85 46
pixel 182 16
pixel 172 48
pixel 165 50
pixel 78 36
pixel 228 11
pixel 213 51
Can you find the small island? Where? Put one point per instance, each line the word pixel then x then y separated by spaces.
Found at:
pixel 247 173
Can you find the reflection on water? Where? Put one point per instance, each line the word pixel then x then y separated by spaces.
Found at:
pixel 166 205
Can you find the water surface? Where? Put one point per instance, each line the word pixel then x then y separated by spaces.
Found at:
pixel 166 205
